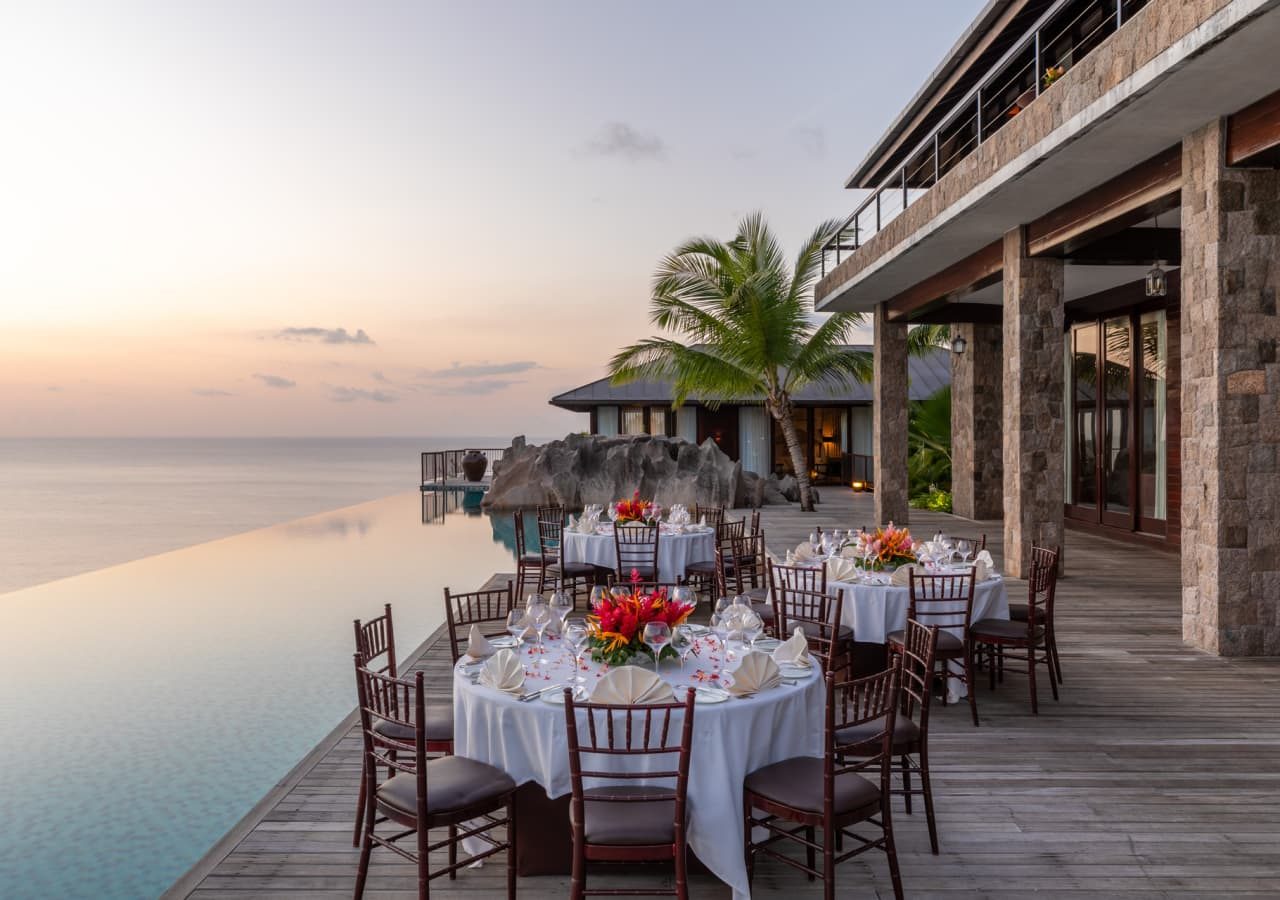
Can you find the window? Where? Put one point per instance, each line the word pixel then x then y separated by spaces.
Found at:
pixel 633 420
pixel 657 420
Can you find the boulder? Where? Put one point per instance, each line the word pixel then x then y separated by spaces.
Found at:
pixel 584 469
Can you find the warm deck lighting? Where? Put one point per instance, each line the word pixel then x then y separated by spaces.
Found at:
pixel 859 485
pixel 958 345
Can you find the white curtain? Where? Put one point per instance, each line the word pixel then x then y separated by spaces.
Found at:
pixel 753 439
pixel 607 420
pixel 687 423
pixel 861 442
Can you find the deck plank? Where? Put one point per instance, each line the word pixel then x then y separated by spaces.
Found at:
pixel 1156 776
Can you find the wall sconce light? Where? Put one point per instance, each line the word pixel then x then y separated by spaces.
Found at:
pixel 1157 283
pixel 958 345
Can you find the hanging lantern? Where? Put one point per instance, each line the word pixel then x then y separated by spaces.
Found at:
pixel 1157 283
pixel 958 345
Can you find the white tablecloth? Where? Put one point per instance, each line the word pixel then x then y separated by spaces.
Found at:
pixel 675 551
pixel 872 611
pixel 730 740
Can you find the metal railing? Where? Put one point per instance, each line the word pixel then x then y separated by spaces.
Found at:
pixel 1065 33
pixel 441 466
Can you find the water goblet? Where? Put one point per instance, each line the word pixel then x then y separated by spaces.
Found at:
pixel 721 627
pixel 561 605
pixel 683 642
pixel 516 626
pixel 598 595
pixel 815 542
pixel 723 604
pixel 685 595
pixel 620 591
pixel 577 636
pixel 964 549
pixel 656 636
pixel 752 628
pixel 539 616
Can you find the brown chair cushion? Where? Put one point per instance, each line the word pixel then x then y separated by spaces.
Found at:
pixel 635 822
pixel 905 733
pixel 705 567
pixel 438 725
pixel 531 559
pixel 1000 628
pixel 811 629
pixel 572 569
pixel 948 643
pixel 453 782
pixel 1018 612
pixel 646 573
pixel 797 782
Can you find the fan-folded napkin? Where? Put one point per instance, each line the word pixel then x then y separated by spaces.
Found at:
pixel 631 685
pixel 984 556
pixel 794 651
pixel 477 646
pixel 902 577
pixel 839 569
pixel 756 672
pixel 504 672
pixel 804 552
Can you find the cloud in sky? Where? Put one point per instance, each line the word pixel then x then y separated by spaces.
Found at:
pixel 377 376
pixel 480 370
pixel 812 140
pixel 476 387
pixel 324 335
pixel 621 140
pixel 275 381
pixel 351 395
pixel 211 392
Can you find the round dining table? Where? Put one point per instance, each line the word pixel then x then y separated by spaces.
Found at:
pixel 732 737
pixel 677 547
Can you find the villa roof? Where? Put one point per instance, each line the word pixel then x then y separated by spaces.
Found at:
pixel 928 373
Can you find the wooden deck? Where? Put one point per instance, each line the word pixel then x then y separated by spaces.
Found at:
pixel 1157 775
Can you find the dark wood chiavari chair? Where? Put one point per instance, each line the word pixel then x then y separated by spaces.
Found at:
pixel 376 639
pixel 626 820
pixel 708 572
pixel 1029 640
pixel 945 601
pixel 800 600
pixel 911 725
pixel 743 572
pixel 420 794
pixel 636 545
pixel 486 609
pixel 529 565
pixel 1021 612
pixel 554 567
pixel 754 527
pixel 713 514
pixel 831 793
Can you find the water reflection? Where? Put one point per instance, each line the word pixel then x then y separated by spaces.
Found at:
pixel 174 691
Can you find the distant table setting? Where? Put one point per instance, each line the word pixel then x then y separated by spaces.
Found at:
pixel 681 541
pixel 753 706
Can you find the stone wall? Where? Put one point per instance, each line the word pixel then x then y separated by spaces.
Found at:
pixel 889 418
pixel 977 453
pixel 1033 403
pixel 1230 415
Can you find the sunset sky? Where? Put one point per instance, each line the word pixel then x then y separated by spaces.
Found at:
pixel 397 218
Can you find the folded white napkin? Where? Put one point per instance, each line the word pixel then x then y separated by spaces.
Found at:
pixel 851 552
pixel 984 556
pixel 804 552
pixel 756 672
pixel 794 651
pixel 902 577
pixel 981 571
pixel 702 521
pixel 504 672
pixel 477 646
pixel 841 569
pixel 631 685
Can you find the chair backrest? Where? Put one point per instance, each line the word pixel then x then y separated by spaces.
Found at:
pixel 551 540
pixel 755 521
pixel 612 580
pixel 483 608
pixel 522 544
pixel 377 638
pixel 977 541
pixel 749 559
pixel 637 547
pixel 730 531
pixel 816 611
pixel 854 703
pixel 919 649
pixel 713 514
pixel 632 732
pixel 945 601
pixel 399 702
pixel 808 578
pixel 1042 586
pixel 553 513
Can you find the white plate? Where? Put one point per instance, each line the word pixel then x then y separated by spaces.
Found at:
pixel 698 630
pixel 502 642
pixel 555 696
pixel 788 671
pixel 710 695
pixel 767 645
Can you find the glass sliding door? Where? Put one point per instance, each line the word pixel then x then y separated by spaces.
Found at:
pixel 1153 387
pixel 1084 426
pixel 1117 436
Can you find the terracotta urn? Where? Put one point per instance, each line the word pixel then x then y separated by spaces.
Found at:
pixel 474 465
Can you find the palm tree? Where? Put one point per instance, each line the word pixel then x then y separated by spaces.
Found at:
pixel 742 317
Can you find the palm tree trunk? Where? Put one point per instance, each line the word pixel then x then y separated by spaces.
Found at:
pixel 781 412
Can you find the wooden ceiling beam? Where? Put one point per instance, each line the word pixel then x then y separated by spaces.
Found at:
pixel 1253 134
pixel 974 271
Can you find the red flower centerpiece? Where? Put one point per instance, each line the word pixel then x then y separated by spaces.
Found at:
pixel 633 510
pixel 617 625
pixel 886 548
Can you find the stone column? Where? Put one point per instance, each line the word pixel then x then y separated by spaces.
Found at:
pixel 1033 403
pixel 977 454
pixel 1230 383
pixel 889 418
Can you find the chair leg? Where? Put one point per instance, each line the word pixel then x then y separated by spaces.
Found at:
pixel 1000 661
pixel 991 669
pixel 578 875
pixel 355 839
pixel 890 850
pixel 906 783
pixel 511 848
pixel 970 687
pixel 453 852
pixel 811 855
pixel 682 873
pixel 1048 662
pixel 1031 678
pixel 828 865
pixel 366 848
pixel 927 788
pixel 747 850
pixel 1052 638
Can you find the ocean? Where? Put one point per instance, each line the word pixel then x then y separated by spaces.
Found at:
pixel 74 505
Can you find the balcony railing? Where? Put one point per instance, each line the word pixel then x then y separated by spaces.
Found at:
pixel 441 467
pixel 1065 33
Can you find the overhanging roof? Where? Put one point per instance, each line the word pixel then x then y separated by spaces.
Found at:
pixel 928 373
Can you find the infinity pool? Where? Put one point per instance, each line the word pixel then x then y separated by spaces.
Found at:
pixel 148 706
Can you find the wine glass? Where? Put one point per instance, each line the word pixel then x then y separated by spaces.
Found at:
pixel 949 547
pixel 752 627
pixel 620 591
pixel 516 626
pixel 964 549
pixel 539 616
pixel 576 636
pixel 656 636
pixel 655 510
pixel 683 641
pixel 685 595
pixel 723 604
pixel 815 542
pixel 598 594
pixel 613 513
pixel 562 605
pixel 721 626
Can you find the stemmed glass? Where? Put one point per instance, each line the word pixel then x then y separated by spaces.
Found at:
pixel 815 542
pixel 685 595
pixel 721 626
pixel 613 513
pixel 577 635
pixel 620 591
pixel 562 605
pixel 723 604
pixel 656 636
pixel 516 626
pixel 683 642
pixel 752 627
pixel 538 614
pixel 655 513
pixel 964 549
pixel 949 546
pixel 598 594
